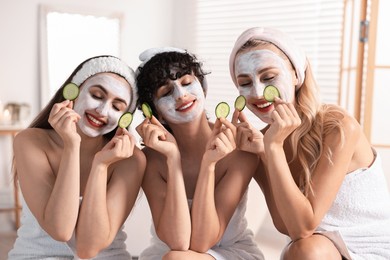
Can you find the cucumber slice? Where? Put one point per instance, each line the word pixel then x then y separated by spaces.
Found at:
pixel 270 92
pixel 125 120
pixel 222 110
pixel 240 103
pixel 70 91
pixel 147 110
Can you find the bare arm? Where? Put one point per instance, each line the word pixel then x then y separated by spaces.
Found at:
pixel 107 203
pixel 301 215
pixel 166 193
pixel 213 206
pixel 52 194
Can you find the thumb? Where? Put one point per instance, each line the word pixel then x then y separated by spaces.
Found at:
pixel 217 127
pixel 242 117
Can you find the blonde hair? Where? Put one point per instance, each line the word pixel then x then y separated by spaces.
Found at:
pixel 317 121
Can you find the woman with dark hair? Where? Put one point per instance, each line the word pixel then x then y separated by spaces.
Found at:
pixel 195 180
pixel 79 173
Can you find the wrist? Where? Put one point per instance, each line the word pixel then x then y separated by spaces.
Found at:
pixel 273 150
pixel 208 164
pixel 99 165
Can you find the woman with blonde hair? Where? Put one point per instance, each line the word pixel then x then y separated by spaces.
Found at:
pixel 323 182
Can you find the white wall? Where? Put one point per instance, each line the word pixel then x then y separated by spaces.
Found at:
pixel 19 64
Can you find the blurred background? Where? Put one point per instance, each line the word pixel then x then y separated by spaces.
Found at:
pixel 42 41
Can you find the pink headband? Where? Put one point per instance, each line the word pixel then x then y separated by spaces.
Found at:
pixel 280 40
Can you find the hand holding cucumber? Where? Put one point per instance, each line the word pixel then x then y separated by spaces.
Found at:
pixel 120 147
pixel 63 119
pixel 221 142
pixel 248 138
pixel 155 136
pixel 285 120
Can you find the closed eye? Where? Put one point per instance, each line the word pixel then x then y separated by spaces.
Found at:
pixel 268 78
pixel 167 92
pixel 97 97
pixel 245 83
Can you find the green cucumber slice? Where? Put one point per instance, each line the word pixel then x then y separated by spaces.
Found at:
pixel 222 110
pixel 270 92
pixel 125 120
pixel 240 103
pixel 70 91
pixel 147 110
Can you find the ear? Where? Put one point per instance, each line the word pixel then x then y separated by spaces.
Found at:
pixel 294 78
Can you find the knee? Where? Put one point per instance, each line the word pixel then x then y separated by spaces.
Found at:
pixel 173 255
pixel 307 249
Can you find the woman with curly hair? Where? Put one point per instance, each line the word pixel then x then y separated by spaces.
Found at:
pixel 195 180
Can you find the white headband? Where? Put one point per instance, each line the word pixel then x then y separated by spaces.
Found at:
pixel 281 40
pixel 108 64
pixel 146 55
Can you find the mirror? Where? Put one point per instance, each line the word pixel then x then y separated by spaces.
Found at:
pixel 68 36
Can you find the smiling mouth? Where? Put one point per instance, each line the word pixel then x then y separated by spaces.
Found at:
pixel 263 105
pixel 185 107
pixel 94 121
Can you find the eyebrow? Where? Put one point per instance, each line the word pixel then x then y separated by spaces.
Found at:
pixel 257 72
pixel 105 91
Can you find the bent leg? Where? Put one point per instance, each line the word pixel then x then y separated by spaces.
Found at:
pixel 314 247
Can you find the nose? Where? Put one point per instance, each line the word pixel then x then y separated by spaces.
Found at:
pixel 179 91
pixel 103 108
pixel 258 89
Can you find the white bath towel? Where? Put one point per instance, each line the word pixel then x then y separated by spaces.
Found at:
pixel 33 242
pixel 361 213
pixel 236 243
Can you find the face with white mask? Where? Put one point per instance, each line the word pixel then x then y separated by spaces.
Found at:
pixel 181 100
pixel 259 67
pixel 103 98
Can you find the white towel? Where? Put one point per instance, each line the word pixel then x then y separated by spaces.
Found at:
pixel 361 213
pixel 33 242
pixel 236 243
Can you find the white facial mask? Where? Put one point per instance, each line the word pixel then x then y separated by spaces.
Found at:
pixel 250 64
pixel 168 106
pixel 91 108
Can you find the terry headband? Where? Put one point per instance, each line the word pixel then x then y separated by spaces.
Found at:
pixel 281 40
pixel 146 55
pixel 108 64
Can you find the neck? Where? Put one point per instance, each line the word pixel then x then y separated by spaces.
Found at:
pixel 92 144
pixel 192 136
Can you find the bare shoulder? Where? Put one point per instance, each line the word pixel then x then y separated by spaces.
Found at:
pixel 340 126
pixel 32 137
pixel 155 166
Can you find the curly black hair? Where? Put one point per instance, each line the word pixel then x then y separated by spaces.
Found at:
pixel 157 71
